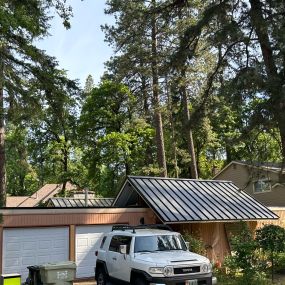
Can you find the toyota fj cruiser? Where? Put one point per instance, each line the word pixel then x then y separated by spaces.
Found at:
pixel 146 255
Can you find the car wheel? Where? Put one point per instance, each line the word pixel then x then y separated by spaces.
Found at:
pixel 140 281
pixel 101 277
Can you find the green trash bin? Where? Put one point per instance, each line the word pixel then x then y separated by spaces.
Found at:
pixel 60 273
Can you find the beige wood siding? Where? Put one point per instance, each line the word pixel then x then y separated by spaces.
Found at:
pixel 280 211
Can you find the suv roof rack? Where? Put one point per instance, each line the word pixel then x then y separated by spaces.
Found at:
pixel 133 228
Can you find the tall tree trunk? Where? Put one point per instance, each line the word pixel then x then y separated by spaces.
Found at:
pixel 148 153
pixel 172 126
pixel 188 130
pixel 156 98
pixel 2 134
pixel 275 80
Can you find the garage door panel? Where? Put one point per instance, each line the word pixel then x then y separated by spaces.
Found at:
pixel 45 244
pixel 29 245
pixel 12 262
pixel 25 247
pixel 13 246
pixel 28 261
pixel 88 240
pixel 58 244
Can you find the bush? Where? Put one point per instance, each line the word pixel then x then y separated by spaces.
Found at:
pixel 196 244
pixel 271 239
pixel 247 264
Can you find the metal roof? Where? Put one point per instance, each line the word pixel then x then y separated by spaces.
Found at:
pixel 184 200
pixel 79 203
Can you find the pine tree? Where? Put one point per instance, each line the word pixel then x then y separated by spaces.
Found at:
pixel 22 65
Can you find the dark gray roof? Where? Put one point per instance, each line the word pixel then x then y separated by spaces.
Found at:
pixel 79 203
pixel 186 200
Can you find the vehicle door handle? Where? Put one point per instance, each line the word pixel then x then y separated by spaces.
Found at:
pixel 114 258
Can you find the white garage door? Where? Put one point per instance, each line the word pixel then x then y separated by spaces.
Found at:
pixel 25 247
pixel 88 240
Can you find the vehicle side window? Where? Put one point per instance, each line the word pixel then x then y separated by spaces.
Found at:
pixel 103 241
pixel 116 241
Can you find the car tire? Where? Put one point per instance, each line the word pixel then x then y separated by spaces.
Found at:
pixel 140 281
pixel 102 277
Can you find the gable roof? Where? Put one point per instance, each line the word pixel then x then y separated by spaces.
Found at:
pixel 41 196
pixel 185 200
pixel 80 203
pixel 267 166
pixel 15 201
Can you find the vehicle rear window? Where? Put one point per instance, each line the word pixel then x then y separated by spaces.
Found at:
pixel 120 240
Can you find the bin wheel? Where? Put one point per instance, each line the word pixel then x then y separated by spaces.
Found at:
pixel 28 281
pixel 101 277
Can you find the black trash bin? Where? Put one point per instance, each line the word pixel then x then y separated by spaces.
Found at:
pixel 34 277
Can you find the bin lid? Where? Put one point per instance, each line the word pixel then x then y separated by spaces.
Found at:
pixel 59 265
pixel 12 275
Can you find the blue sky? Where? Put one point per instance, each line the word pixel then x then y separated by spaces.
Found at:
pixel 80 50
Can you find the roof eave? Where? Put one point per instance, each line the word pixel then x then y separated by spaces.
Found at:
pixel 219 221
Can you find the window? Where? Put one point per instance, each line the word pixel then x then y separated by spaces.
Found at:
pixel 159 243
pixel 120 240
pixel 261 185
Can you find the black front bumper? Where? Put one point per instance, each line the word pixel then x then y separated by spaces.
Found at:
pixel 203 279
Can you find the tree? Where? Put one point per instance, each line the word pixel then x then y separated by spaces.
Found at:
pixel 22 65
pixel 271 238
pixel 139 41
pixel 89 84
pixel 115 139
pixel 22 178
pixel 246 38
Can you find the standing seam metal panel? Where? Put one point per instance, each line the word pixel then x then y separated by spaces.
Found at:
pixel 182 200
pixel 257 207
pixel 143 193
pixel 227 195
pixel 225 203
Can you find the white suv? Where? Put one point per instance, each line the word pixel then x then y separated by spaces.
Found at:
pixel 146 255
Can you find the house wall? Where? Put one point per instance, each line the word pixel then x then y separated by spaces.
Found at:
pixel 280 211
pixel 33 217
pixel 244 176
pixel 214 237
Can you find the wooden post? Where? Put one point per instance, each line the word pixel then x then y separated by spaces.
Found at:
pixel 72 242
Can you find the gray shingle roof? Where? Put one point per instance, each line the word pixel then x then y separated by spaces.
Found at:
pixel 79 203
pixel 186 200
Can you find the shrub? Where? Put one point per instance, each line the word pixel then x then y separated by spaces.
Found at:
pixel 196 244
pixel 271 239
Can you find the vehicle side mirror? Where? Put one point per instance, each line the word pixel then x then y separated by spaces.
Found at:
pixel 123 249
pixel 187 245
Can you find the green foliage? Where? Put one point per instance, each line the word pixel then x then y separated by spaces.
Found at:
pixel 251 258
pixel 116 140
pixel 22 179
pixel 271 239
pixel 243 259
pixel 195 244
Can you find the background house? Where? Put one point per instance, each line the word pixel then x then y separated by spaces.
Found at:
pixel 265 182
pixel 75 202
pixel 38 198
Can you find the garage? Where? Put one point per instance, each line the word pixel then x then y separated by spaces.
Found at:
pixel 88 239
pixel 23 247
